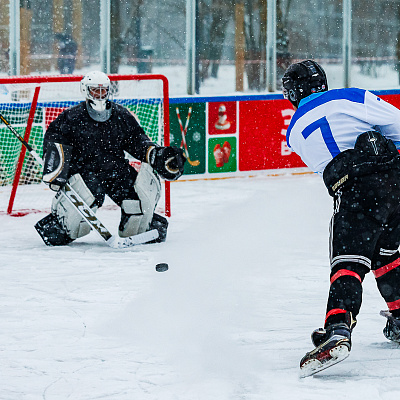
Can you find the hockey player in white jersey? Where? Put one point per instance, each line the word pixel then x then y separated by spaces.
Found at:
pixel 347 136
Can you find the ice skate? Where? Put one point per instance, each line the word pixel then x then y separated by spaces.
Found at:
pixel 331 346
pixel 392 328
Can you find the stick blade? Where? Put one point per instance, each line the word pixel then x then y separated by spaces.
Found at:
pixel 131 241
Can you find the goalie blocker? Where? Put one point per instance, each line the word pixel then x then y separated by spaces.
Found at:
pixel 56 165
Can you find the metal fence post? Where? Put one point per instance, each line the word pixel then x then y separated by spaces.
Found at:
pixel 105 10
pixel 347 42
pixel 271 45
pixel 14 28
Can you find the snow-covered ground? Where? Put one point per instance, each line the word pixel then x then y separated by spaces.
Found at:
pixel 230 319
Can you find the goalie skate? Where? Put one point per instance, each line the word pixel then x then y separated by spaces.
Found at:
pixel 334 345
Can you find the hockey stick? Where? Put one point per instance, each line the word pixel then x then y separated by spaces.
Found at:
pixel 87 213
pixel 193 163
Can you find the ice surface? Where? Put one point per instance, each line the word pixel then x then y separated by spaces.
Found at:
pixel 230 320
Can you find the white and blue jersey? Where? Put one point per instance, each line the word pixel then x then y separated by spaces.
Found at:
pixel 327 123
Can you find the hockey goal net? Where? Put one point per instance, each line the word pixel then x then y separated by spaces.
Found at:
pixel 30 103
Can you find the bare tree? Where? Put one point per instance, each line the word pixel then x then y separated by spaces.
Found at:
pixel 255 35
pixel 115 40
pixel 218 17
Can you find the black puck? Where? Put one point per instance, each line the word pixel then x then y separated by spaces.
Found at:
pixel 162 267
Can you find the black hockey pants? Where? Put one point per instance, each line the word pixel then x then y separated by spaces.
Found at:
pixel 364 236
pixel 118 186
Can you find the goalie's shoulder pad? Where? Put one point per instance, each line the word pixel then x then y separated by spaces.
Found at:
pixel 56 164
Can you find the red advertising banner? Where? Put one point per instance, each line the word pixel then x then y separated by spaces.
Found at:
pixel 222 118
pixel 392 99
pixel 262 135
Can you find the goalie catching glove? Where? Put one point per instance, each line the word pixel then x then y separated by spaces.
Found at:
pixel 56 165
pixel 167 161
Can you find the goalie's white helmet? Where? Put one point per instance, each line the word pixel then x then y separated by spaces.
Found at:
pixel 96 87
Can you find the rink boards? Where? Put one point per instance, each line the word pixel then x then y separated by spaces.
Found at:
pixel 239 135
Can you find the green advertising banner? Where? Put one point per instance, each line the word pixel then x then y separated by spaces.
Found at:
pixel 191 116
pixel 222 153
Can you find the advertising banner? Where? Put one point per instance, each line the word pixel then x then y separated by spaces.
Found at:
pixel 222 154
pixel 188 131
pixel 222 149
pixel 262 137
pixel 222 119
pixel 238 133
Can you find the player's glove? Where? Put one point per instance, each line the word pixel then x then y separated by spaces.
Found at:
pixel 56 165
pixel 167 161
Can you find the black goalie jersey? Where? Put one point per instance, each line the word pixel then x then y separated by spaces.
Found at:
pixel 99 146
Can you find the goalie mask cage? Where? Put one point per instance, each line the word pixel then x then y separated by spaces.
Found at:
pixel 30 103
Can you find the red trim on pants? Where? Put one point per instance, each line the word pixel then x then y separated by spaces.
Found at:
pixel 386 268
pixel 335 311
pixel 345 272
pixel 394 305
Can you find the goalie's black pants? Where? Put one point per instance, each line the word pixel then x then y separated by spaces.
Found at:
pixel 118 185
pixel 364 236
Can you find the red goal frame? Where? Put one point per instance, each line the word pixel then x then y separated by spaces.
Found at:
pixel 77 78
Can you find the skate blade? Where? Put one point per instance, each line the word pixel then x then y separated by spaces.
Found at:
pixel 311 367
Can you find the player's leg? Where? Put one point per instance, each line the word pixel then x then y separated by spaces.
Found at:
pixel 348 268
pixel 65 223
pixel 386 268
pixel 362 214
pixel 351 248
pixel 138 194
pixel 364 210
pixel 148 189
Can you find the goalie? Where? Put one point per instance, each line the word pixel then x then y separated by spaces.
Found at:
pixel 85 147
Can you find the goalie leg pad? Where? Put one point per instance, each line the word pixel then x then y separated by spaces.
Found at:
pixel 69 218
pixel 131 218
pixel 51 231
pixel 136 215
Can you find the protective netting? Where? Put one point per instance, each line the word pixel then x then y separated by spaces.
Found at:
pixel 145 99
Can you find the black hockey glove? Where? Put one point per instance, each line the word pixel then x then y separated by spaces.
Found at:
pixel 168 162
pixel 56 165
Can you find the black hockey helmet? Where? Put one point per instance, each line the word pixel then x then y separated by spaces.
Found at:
pixel 302 79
